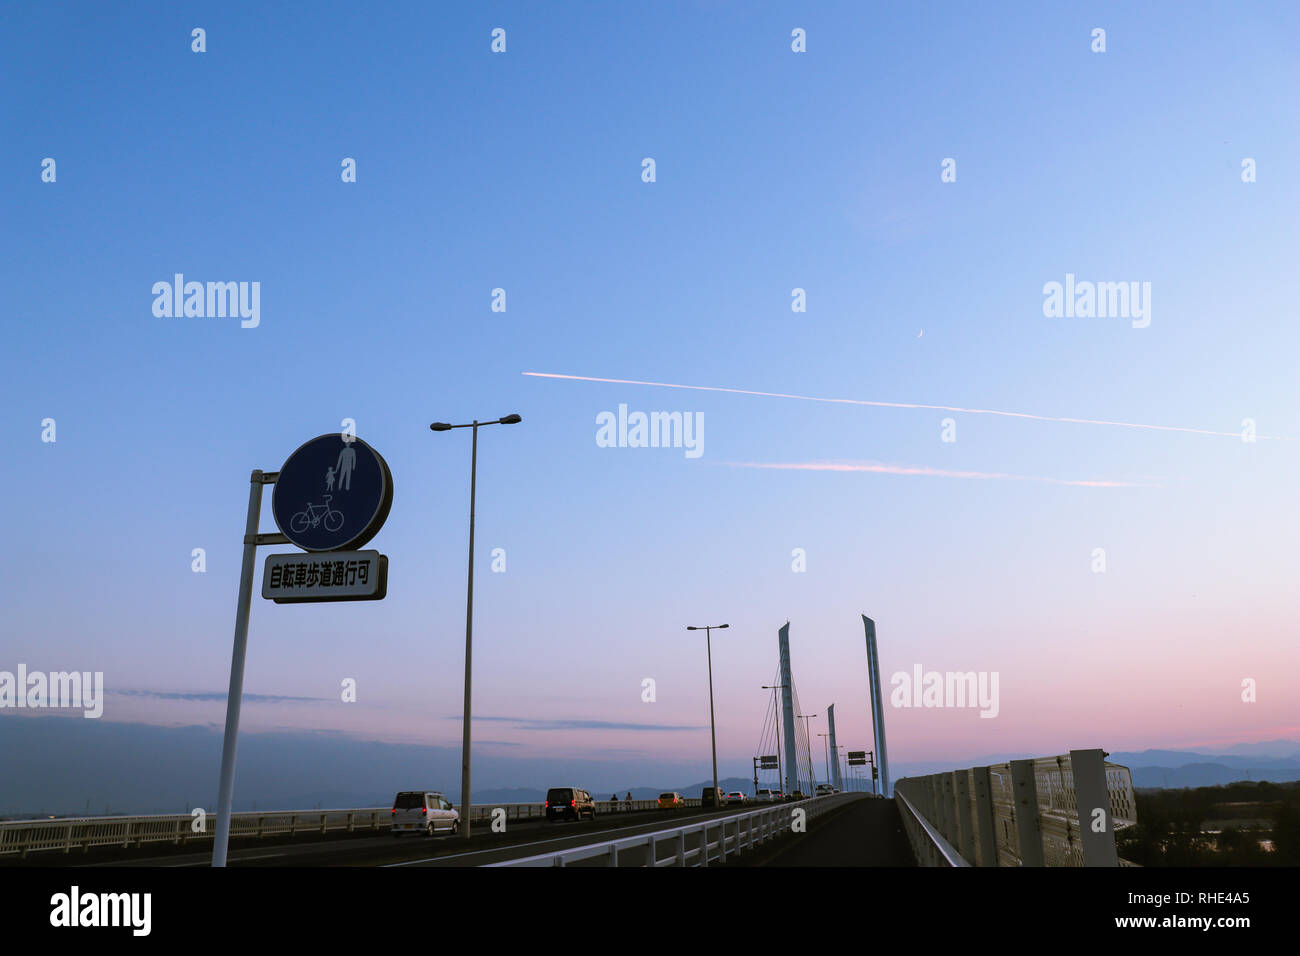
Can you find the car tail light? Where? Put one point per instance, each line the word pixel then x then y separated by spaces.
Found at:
pixel 573 803
pixel 394 811
pixel 424 812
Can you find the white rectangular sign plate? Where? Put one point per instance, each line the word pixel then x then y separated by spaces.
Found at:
pixel 325 576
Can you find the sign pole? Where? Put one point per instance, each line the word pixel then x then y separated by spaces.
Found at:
pixel 236 693
pixel 318 527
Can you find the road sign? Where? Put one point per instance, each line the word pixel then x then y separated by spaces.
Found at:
pixel 857 755
pixel 332 494
pixel 296 578
pixel 768 763
pixel 858 763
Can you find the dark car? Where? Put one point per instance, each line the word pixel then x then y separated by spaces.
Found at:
pixel 569 803
pixel 709 799
pixel 797 795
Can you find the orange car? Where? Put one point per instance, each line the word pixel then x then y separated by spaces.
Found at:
pixel 671 801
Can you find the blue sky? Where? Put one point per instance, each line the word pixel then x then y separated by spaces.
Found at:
pixel 775 170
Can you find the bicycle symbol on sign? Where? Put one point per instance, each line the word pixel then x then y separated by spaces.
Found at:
pixel 313 515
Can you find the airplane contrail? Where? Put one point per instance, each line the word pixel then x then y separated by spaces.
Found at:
pixel 942 408
pixel 935 472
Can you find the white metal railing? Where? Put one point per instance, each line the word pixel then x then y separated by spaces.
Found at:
pixel 938 851
pixel 82 833
pixel 1049 811
pixel 717 838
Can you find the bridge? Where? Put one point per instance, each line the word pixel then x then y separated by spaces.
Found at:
pixel 1052 811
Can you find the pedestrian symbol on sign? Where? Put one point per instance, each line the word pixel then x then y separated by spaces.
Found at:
pixel 347 461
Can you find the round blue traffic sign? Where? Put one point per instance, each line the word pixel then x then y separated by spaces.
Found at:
pixel 332 494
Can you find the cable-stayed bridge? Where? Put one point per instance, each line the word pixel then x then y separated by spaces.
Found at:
pixel 1052 811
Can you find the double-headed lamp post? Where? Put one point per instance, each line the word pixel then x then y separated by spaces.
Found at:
pixel 713 730
pixel 469 609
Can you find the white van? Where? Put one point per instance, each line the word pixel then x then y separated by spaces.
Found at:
pixel 424 811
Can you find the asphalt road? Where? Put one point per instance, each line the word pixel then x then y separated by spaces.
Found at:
pixel 861 833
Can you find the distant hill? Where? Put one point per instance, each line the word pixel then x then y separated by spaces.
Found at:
pixel 1176 769
pixel 694 790
pixel 1208 775
pixel 514 795
pixel 1272 748
pixel 728 784
pixel 1183 758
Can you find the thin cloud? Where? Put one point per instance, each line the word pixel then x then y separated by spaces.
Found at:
pixel 215 696
pixel 884 469
pixel 529 723
pixel 942 408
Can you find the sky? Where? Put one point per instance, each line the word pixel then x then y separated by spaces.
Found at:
pixel 972 539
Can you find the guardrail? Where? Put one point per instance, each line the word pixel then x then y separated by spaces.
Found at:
pixel 717 838
pixel 1051 811
pixel 82 833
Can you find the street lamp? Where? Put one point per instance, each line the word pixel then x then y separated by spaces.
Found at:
pixel 776 713
pixel 713 730
pixel 826 746
pixel 469 607
pixel 812 783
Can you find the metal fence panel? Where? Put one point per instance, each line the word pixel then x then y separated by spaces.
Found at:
pixel 1025 813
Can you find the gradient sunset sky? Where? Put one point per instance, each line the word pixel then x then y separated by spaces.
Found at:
pixel 775 170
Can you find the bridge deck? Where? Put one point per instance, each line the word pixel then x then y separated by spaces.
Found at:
pixel 863 833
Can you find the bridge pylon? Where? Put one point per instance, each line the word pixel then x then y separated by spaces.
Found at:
pixel 877 705
pixel 787 712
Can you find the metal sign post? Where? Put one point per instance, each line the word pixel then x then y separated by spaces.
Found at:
pixel 235 695
pixel 857 758
pixel 324 468
pixel 766 762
